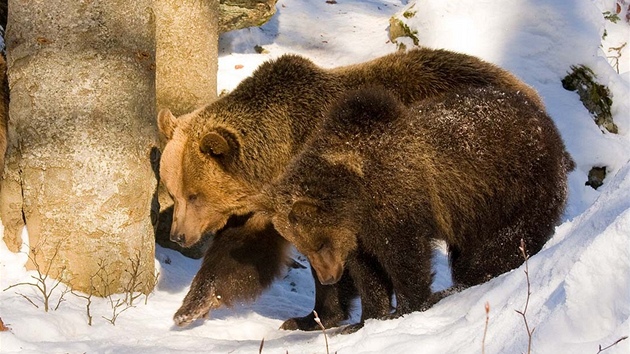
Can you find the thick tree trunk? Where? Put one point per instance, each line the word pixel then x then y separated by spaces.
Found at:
pixel 187 39
pixel 82 79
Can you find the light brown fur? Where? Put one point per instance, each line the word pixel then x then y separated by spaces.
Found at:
pixel 219 156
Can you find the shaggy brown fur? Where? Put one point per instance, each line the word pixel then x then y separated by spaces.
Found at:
pixel 479 168
pixel 218 156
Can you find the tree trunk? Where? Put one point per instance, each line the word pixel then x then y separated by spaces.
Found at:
pixel 187 39
pixel 82 79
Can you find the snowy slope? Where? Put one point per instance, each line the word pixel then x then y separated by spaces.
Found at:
pixel 580 281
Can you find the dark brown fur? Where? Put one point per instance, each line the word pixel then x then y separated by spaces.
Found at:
pixel 479 168
pixel 219 156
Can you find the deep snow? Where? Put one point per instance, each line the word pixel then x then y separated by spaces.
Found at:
pixel 580 281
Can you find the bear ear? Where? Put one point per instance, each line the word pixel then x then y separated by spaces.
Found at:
pixel 166 123
pixel 218 143
pixel 302 210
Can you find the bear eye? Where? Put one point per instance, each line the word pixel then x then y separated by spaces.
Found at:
pixel 323 244
pixel 192 198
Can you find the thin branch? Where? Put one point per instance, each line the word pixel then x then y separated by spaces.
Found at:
pixel 28 299
pixel 523 313
pixel 612 345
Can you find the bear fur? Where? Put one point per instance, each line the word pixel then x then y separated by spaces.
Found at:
pixel 220 155
pixel 480 168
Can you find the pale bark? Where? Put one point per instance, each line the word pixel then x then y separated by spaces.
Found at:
pixel 82 80
pixel 187 39
pixel 187 42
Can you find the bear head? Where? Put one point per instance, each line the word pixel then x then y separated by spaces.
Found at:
pixel 195 169
pixel 327 245
pixel 313 206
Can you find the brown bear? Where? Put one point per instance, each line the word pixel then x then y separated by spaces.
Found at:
pixel 219 155
pixel 480 168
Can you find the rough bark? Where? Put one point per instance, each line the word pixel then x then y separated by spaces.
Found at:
pixel 187 39
pixel 82 80
pixel 237 14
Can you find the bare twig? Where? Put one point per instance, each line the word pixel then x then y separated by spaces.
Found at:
pixel 262 343
pixel 88 298
pixel 523 313
pixel 41 279
pixel 485 328
pixel 61 297
pixel 154 281
pixel 131 293
pixel 118 308
pixel 319 322
pixel 616 57
pixel 612 345
pixel 27 298
pixel 118 305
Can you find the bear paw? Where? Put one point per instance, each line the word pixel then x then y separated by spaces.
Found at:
pixel 351 328
pixel 308 323
pixel 190 311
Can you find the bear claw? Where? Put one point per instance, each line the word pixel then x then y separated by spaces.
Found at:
pixel 186 315
pixel 184 319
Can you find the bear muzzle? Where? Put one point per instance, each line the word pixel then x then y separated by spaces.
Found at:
pixel 179 238
pixel 328 269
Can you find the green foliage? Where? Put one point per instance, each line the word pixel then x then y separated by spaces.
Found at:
pixel 612 17
pixel 397 29
pixel 409 14
pixel 595 97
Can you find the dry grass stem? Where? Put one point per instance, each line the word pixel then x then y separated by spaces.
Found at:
pixel 485 328
pixel 319 322
pixel 523 313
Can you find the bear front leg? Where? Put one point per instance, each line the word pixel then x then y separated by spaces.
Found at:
pixel 375 288
pixel 240 263
pixel 332 303
pixel 199 300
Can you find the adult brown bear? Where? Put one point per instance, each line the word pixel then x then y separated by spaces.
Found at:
pixel 479 168
pixel 218 156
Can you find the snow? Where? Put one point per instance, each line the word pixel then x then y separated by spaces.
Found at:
pixel 580 281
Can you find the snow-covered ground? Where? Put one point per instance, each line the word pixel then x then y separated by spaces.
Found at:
pixel 580 281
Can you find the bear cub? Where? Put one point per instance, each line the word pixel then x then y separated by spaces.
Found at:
pixel 480 168
pixel 220 156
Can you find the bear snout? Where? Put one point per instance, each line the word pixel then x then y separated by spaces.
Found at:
pixel 179 238
pixel 327 269
pixel 330 280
